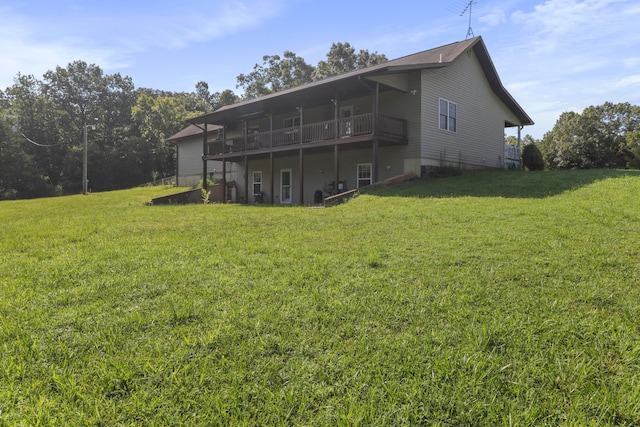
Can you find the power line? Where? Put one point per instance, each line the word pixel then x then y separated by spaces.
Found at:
pixel 35 143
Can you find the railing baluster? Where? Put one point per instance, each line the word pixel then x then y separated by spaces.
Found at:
pixel 358 125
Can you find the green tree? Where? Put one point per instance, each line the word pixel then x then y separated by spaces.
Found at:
pixel 525 140
pixel 17 169
pixel 275 74
pixel 53 112
pixel 31 117
pixel 80 94
pixel 157 117
pixel 213 101
pixel 597 138
pixel 342 58
pixel 532 158
pixel 631 149
pixel 278 73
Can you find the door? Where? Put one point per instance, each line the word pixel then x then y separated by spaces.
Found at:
pixel 285 186
pixel 346 122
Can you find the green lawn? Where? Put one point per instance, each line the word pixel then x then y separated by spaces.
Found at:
pixel 491 298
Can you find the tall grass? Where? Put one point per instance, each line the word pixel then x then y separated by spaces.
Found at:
pixel 492 298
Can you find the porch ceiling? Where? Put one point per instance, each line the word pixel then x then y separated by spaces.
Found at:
pixel 305 96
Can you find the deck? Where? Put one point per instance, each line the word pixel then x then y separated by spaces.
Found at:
pixel 354 129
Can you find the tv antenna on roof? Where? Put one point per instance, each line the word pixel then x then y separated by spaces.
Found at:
pixel 468 7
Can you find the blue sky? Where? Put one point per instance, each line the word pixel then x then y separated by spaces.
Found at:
pixel 552 56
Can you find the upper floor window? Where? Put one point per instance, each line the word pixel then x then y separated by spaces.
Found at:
pixel 448 115
pixel 291 122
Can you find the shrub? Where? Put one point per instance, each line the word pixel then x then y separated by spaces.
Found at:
pixel 532 158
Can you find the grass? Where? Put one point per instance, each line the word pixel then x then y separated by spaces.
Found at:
pixel 491 298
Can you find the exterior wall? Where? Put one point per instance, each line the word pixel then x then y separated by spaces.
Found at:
pixel 481 116
pixel 406 106
pixel 189 162
pixel 319 171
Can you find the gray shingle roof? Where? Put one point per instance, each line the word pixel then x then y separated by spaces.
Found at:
pixel 437 57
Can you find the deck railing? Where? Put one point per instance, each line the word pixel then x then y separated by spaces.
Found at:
pixel 512 156
pixel 360 125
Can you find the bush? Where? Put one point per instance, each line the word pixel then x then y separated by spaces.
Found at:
pixel 532 158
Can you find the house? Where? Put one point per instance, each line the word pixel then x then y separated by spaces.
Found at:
pixel 443 106
pixel 189 161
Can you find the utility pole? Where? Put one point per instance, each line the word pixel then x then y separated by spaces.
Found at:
pixel 85 182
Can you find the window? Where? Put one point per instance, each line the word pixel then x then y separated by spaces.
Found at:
pixel 257 182
pixel 291 122
pixel 364 174
pixel 448 115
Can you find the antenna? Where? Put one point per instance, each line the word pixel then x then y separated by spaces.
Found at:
pixel 468 7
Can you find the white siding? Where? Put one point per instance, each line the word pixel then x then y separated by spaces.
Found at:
pixel 189 171
pixel 406 106
pixel 481 115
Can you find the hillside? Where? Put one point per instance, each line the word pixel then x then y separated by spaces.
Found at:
pixel 491 298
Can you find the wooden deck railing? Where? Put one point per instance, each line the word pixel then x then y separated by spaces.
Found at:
pixel 360 125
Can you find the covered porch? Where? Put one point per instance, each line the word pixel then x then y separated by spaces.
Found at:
pixel 296 124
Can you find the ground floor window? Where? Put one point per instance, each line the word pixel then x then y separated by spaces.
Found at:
pixel 257 182
pixel 364 174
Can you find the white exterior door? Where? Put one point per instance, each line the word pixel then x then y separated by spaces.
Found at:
pixel 285 186
pixel 346 123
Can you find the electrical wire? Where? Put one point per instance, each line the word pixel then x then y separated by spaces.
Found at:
pixel 37 144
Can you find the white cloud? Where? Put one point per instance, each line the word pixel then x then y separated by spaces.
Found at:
pixel 32 46
pixel 579 25
pixel 628 82
pixel 578 53
pixel 493 19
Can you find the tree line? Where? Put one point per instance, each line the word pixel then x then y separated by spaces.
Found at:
pixel 42 121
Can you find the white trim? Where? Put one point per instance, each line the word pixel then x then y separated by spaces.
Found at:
pixel 447 116
pixel 358 179
pixel 254 182
pixel 286 189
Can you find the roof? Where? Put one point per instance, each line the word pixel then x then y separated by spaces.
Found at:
pixel 346 85
pixel 189 132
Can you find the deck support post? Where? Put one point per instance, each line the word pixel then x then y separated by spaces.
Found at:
pixel 376 144
pixel 246 179
pixel 374 163
pixel 271 178
pixel 204 157
pixel 301 178
pixel 271 130
pixel 224 181
pixel 334 101
pixel 336 165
